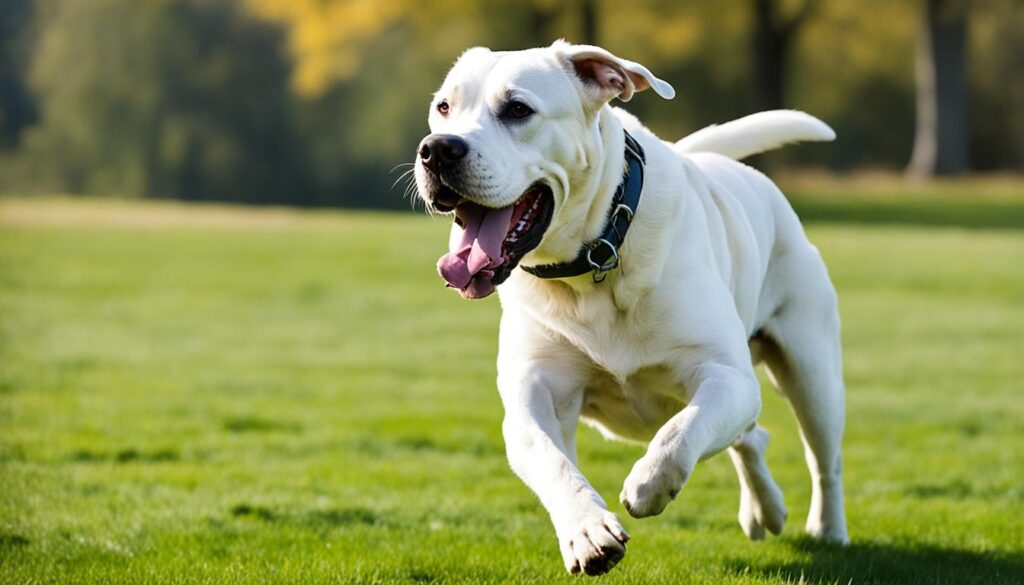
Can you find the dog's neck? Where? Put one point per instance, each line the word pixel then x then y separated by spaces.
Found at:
pixel 585 210
pixel 609 167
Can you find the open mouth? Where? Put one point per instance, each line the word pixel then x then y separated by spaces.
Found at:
pixel 494 241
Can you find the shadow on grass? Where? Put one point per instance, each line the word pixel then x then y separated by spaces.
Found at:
pixel 879 563
pixel 385 445
pixel 251 424
pixel 313 519
pixel 924 212
pixel 128 455
pixel 12 541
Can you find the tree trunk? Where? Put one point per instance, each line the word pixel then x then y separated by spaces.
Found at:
pixel 772 42
pixel 588 22
pixel 770 48
pixel 940 143
pixel 537 18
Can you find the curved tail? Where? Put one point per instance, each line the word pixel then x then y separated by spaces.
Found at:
pixel 756 133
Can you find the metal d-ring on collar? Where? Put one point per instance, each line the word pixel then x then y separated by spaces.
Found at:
pixel 601 256
pixel 601 270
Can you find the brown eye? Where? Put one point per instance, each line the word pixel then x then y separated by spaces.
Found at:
pixel 442 107
pixel 517 111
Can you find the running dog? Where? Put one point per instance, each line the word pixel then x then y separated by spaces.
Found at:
pixel 641 281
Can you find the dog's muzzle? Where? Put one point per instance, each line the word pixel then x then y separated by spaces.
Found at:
pixel 491 241
pixel 440 155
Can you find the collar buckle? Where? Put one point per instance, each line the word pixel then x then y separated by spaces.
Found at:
pixel 600 271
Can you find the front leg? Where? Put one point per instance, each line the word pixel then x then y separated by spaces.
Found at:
pixel 725 404
pixel 590 537
pixel 541 388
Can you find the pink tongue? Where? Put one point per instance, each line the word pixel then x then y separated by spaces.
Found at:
pixel 469 264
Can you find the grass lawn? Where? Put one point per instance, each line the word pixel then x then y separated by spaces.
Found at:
pixel 194 395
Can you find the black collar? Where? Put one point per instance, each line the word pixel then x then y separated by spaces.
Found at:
pixel 601 256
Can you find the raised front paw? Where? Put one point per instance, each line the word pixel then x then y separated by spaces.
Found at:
pixel 650 487
pixel 594 544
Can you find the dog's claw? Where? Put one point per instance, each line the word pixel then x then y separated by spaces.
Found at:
pixel 596 545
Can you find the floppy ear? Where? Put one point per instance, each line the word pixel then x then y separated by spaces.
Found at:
pixel 608 76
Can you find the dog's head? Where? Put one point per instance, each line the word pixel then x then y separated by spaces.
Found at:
pixel 512 134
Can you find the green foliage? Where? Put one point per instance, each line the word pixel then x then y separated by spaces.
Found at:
pixel 182 98
pixel 261 396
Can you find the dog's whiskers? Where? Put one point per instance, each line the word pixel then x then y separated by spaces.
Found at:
pixel 405 175
pixel 400 165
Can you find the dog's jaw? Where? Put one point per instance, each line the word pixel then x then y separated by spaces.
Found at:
pixel 487 244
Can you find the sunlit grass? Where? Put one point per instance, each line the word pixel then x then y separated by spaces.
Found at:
pixel 267 396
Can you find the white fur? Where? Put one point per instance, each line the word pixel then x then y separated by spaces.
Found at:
pixel 756 133
pixel 716 275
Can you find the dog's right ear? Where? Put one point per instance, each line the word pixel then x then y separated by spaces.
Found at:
pixel 606 76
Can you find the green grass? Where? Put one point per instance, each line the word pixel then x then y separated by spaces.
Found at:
pixel 295 398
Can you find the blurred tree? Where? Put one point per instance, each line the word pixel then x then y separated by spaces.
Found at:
pixel 182 98
pixel 327 37
pixel 996 81
pixel 588 22
pixel 772 42
pixel 17 108
pixel 940 143
pixel 855 64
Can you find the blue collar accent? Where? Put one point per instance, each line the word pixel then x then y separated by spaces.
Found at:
pixel 601 256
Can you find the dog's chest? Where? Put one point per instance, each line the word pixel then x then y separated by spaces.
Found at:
pixel 632 390
pixel 633 408
pixel 618 341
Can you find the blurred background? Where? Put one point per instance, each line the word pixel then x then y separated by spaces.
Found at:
pixel 314 102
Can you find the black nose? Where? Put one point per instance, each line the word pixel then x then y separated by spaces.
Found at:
pixel 440 150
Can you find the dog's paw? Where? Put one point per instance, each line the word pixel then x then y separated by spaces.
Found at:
pixel 649 487
pixel 772 513
pixel 758 512
pixel 594 545
pixel 835 534
pixel 762 507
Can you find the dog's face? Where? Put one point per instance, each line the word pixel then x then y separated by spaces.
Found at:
pixel 512 134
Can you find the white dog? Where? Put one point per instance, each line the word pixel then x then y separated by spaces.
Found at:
pixel 653 278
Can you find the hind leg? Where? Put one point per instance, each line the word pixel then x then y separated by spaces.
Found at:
pixel 761 504
pixel 804 361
